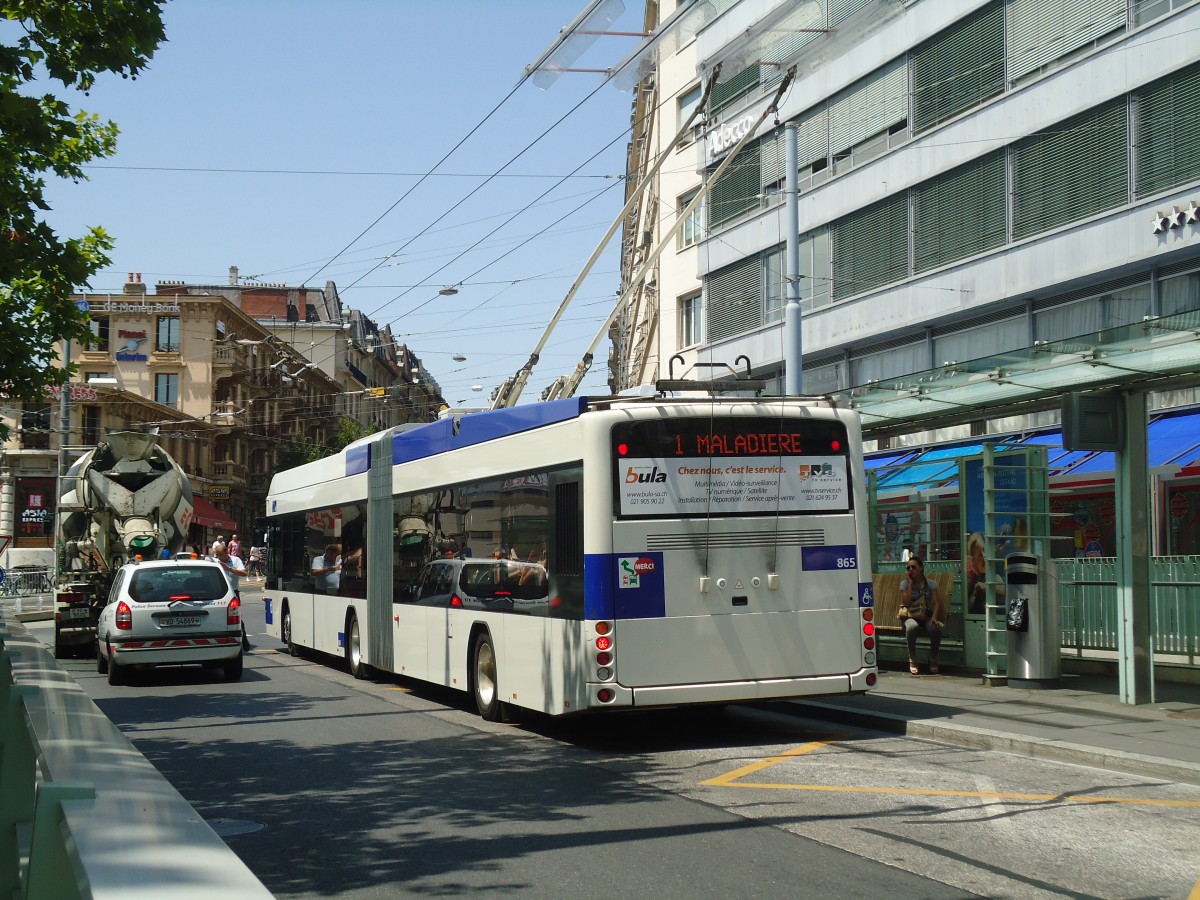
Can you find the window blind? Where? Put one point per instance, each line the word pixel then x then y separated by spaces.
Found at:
pixel 1073 170
pixel 960 213
pixel 1040 32
pixel 869 107
pixel 958 68
pixel 735 299
pixel 870 247
pixel 1167 139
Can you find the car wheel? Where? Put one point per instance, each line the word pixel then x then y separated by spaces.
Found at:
pixel 115 675
pixel 354 649
pixel 101 661
pixel 233 668
pixel 484 678
pixel 292 649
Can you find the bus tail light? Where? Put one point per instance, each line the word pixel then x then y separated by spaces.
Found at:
pixel 233 613
pixel 606 695
pixel 124 617
pixel 869 644
pixel 456 602
pixel 871 679
pixel 604 655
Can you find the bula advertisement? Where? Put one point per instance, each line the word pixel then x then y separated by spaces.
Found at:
pixel 736 485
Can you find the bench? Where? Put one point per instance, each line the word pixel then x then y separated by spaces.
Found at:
pixel 887 597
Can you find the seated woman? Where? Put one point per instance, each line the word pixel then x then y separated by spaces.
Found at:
pixel 925 613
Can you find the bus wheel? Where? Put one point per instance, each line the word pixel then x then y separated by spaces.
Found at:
pixel 483 669
pixel 292 649
pixel 354 649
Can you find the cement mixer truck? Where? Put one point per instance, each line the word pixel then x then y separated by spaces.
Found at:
pixel 126 499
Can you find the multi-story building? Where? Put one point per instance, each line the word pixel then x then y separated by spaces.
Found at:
pixel 233 392
pixel 977 181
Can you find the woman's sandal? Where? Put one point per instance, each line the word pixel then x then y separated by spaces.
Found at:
pixel 912 667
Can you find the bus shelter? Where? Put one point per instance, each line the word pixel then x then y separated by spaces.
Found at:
pixel 1160 355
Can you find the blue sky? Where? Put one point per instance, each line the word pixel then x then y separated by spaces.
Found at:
pixel 270 134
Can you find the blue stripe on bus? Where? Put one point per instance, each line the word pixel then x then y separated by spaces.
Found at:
pixel 358 459
pixel 598 601
pixel 477 428
pixel 624 586
pixel 837 556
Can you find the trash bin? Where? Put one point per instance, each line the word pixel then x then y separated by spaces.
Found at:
pixel 1034 638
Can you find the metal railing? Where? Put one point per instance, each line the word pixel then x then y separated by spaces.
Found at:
pixel 1087 592
pixel 82 813
pixel 27 582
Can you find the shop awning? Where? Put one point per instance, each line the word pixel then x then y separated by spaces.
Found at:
pixel 208 515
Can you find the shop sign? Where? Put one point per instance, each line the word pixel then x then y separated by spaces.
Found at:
pixel 217 491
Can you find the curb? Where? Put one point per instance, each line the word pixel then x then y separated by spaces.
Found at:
pixel 984 739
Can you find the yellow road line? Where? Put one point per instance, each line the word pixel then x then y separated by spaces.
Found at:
pixel 733 779
pixel 725 780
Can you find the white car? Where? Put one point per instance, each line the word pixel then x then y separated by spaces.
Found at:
pixel 170 612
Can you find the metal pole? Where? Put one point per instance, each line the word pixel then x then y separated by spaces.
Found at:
pixel 64 413
pixel 793 339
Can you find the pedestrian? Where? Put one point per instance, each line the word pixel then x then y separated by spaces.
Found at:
pixel 254 566
pixel 235 547
pixel 921 613
pixel 234 569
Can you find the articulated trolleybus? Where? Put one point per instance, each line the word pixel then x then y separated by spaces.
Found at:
pixel 584 555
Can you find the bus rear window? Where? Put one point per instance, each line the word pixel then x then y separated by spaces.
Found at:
pixel 736 466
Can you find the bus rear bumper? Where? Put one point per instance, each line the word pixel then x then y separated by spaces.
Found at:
pixel 730 691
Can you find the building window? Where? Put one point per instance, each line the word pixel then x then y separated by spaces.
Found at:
pixel 166 389
pixel 1168 151
pixel 99 329
pixel 693 225
pixel 958 69
pixel 1074 170
pixel 691 325
pixel 91 425
pixel 688 101
pixel 35 427
pixel 775 287
pixel 167 340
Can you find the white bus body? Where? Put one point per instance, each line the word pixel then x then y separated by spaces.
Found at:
pixel 586 555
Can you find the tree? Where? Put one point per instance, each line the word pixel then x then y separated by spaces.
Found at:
pixel 71 42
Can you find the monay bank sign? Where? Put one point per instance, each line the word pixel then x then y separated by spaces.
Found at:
pixel 115 306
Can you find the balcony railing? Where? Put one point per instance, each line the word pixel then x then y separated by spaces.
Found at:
pixel 228 471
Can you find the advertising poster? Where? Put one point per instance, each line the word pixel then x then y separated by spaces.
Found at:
pixel 736 485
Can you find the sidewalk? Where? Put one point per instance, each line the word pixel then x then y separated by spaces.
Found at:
pixel 1082 722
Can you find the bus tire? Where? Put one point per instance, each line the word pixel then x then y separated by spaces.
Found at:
pixel 292 649
pixel 354 659
pixel 484 683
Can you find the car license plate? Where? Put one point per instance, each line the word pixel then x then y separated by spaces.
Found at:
pixel 181 621
pixel 76 612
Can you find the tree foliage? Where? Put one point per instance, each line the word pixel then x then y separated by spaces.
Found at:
pixel 69 42
pixel 296 452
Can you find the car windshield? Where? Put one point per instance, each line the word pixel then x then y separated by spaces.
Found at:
pixel 504 578
pixel 195 583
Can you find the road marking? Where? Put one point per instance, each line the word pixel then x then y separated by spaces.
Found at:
pixel 734 779
pixel 399 688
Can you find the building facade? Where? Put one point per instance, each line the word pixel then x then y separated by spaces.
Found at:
pixel 975 176
pixel 235 386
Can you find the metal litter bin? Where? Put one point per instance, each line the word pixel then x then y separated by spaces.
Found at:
pixel 1035 653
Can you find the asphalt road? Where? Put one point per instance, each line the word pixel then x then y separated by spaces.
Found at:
pixel 331 787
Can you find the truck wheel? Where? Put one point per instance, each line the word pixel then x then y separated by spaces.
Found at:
pixel 233 668
pixel 483 678
pixel 354 659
